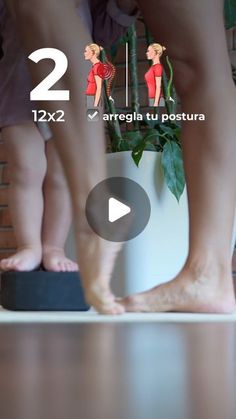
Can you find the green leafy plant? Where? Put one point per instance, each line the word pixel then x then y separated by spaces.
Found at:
pixel 148 135
pixel 153 135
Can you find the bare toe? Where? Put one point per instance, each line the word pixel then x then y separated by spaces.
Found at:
pixel 25 259
pixel 70 267
pixel 55 260
pixel 143 302
pixel 104 302
pixel 62 267
pixel 74 267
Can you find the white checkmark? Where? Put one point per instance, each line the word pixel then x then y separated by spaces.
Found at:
pixel 92 116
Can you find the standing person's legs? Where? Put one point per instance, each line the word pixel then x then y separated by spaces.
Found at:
pixel 57 214
pixel 26 158
pixel 83 153
pixel 193 32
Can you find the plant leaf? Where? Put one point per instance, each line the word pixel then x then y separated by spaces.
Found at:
pixel 172 163
pixel 123 145
pixel 134 138
pixel 167 130
pixel 137 155
pixel 230 13
pixel 150 147
pixel 234 74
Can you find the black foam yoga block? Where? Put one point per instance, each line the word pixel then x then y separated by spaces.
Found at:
pixel 42 291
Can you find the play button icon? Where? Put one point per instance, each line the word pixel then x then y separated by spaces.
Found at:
pixel 118 209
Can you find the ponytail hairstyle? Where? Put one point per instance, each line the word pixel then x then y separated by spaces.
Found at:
pixel 158 48
pixel 106 70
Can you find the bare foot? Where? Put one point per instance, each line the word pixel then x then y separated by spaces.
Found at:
pixel 192 291
pixel 96 258
pixel 54 260
pixel 26 259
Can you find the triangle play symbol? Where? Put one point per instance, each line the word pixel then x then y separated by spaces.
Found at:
pixel 117 210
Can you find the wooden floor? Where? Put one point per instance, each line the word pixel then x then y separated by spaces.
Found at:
pixel 118 371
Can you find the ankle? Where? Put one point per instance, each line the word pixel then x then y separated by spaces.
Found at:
pixel 47 248
pixel 37 248
pixel 208 266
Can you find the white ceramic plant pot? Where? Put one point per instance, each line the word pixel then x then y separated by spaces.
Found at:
pixel 159 252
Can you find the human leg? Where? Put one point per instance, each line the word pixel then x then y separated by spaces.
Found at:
pixel 83 155
pixel 57 214
pixel 194 35
pixel 23 142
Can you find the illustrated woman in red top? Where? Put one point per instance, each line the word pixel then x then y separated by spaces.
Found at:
pixel 95 79
pixel 153 76
pixel 99 72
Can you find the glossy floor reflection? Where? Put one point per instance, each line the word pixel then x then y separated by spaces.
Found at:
pixel 118 371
